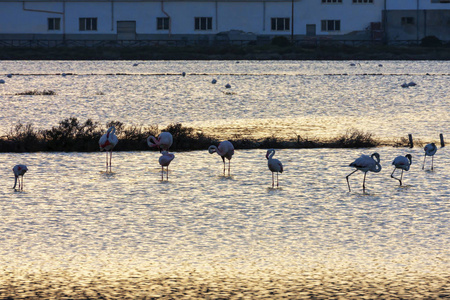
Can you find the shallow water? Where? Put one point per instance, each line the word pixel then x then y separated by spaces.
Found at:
pixel 78 232
pixel 283 99
pixel 75 221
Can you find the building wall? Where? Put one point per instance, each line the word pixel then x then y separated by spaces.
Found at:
pixel 415 4
pixel 355 18
pixel 249 16
pixel 424 23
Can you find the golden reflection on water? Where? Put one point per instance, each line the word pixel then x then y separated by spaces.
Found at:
pixel 77 233
pixel 182 282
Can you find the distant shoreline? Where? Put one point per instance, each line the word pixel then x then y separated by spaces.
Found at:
pixel 265 52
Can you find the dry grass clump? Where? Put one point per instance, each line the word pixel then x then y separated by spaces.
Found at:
pixel 37 93
pixel 354 139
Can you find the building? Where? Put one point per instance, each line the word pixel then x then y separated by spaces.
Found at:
pixel 224 20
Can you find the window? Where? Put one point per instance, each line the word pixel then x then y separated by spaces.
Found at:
pixel 203 23
pixel 162 23
pixel 362 1
pixel 331 1
pixel 331 25
pixel 280 24
pixel 88 24
pixel 54 23
pixel 407 20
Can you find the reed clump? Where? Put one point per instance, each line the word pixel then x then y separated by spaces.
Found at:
pixel 37 93
pixel 355 139
pixel 71 135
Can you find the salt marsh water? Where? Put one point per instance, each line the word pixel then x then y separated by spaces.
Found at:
pixel 283 99
pixel 77 232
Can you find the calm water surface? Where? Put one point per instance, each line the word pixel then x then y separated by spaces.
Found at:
pixel 76 231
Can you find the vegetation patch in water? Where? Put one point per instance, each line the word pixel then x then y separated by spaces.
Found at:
pixel 71 135
pixel 37 93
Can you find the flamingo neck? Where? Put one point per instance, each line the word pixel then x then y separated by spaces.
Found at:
pixel 410 159
pixel 111 130
pixel 153 140
pixel 219 152
pixel 270 154
pixel 213 149
pixel 377 168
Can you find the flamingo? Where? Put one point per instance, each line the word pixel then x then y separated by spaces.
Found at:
pixel 430 150
pixel 365 163
pixel 107 142
pixel 225 150
pixel 19 170
pixel 164 141
pixel 275 166
pixel 403 163
pixel 164 161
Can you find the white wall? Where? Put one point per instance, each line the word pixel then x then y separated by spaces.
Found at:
pixel 13 19
pixel 235 15
pixel 99 10
pixel 354 17
pixel 251 16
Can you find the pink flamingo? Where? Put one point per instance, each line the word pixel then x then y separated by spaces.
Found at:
pixel 403 163
pixel 275 166
pixel 19 170
pixel 164 141
pixel 365 163
pixel 107 142
pixel 164 161
pixel 430 150
pixel 225 150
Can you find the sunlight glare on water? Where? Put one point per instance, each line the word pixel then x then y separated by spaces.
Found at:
pixel 72 217
pixel 285 99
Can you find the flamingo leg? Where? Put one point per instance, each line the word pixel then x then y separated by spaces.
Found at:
pixel 167 174
pixel 110 159
pixel 277 179
pixel 346 177
pixel 423 166
pixel 229 167
pixel 21 186
pixel 364 182
pixel 432 162
pixel 392 175
pixel 401 178
pixel 106 161
pixel 223 158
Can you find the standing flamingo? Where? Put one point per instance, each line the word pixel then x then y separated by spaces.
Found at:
pixel 107 142
pixel 164 141
pixel 164 161
pixel 19 170
pixel 430 150
pixel 403 163
pixel 275 166
pixel 365 163
pixel 225 150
